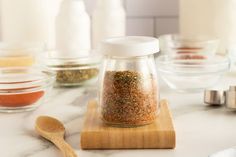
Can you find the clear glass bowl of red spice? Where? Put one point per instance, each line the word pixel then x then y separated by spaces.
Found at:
pixel 24 88
pixel 194 46
pixel 192 74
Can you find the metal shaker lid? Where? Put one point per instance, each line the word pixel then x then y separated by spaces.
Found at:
pixel 230 98
pixel 214 97
pixel 232 88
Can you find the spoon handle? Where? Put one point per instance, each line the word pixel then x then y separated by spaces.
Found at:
pixel 65 148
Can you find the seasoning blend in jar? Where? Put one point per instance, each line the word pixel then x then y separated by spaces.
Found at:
pixel 129 92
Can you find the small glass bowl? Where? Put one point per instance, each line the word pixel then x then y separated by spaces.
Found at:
pixel 19 54
pixel 173 44
pixel 23 88
pixel 192 74
pixel 75 72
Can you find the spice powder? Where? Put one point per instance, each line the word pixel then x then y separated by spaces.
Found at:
pixel 20 100
pixel 129 98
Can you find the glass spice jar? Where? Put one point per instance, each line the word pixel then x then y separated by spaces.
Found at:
pixel 129 91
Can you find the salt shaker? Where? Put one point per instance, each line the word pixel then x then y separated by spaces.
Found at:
pixel 72 30
pixel 109 20
pixel 129 90
pixel 29 21
pixel 230 98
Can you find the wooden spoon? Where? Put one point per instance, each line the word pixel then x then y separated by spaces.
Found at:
pixel 54 131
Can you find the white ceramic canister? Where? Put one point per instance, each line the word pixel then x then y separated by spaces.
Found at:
pixel 109 20
pixel 214 18
pixel 29 20
pixel 73 37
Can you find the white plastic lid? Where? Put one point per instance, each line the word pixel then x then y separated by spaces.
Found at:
pixel 129 46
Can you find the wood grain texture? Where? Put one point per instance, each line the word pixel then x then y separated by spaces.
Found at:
pixel 97 135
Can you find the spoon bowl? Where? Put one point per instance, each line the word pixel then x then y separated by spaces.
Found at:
pixel 49 126
pixel 54 131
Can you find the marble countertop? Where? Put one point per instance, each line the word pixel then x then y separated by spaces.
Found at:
pixel 201 130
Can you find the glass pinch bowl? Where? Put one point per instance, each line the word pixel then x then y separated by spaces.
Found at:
pixel 192 73
pixel 23 88
pixel 20 54
pixel 75 72
pixel 179 44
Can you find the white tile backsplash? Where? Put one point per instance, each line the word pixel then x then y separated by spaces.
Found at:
pixel 152 7
pixel 166 26
pixel 140 26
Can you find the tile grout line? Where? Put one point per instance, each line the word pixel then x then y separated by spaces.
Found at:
pixel 125 4
pixel 154 27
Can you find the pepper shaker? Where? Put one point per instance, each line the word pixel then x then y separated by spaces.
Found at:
pixel 220 97
pixel 214 97
pixel 230 100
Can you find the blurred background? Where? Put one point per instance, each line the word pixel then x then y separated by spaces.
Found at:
pixel 144 17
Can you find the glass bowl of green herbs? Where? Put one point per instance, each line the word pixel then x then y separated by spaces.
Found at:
pixel 76 71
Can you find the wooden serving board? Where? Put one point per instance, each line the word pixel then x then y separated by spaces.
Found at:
pixel 97 135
